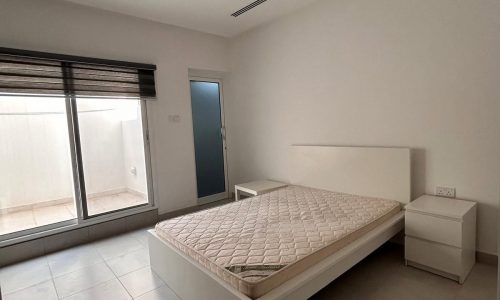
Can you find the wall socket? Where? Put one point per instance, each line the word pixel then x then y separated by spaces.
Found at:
pixel 445 192
pixel 174 118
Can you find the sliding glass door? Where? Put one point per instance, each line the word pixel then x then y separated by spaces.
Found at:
pixel 73 140
pixel 35 164
pixel 112 147
pixel 39 159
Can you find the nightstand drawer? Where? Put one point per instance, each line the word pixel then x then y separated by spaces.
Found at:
pixel 440 257
pixel 432 228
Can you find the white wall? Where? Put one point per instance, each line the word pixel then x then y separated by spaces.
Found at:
pixel 102 147
pixel 420 74
pixel 112 143
pixel 133 153
pixel 34 152
pixel 60 27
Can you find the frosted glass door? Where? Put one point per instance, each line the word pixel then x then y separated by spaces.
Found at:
pixel 208 139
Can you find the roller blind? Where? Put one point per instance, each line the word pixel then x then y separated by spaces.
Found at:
pixel 28 72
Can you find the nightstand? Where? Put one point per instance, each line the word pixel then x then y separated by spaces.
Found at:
pixel 440 236
pixel 255 188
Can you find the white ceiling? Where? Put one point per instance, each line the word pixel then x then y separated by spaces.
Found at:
pixel 212 16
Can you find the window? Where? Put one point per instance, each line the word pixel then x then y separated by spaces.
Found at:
pixel 73 139
pixel 36 174
pixel 113 154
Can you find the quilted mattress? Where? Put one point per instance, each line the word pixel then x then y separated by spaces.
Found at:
pixel 259 243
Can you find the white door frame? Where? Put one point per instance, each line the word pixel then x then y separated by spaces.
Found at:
pixel 225 194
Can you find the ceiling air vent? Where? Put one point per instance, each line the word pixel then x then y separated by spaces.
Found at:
pixel 247 8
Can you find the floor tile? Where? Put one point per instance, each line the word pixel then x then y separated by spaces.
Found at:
pixel 111 290
pixel 23 275
pixel 51 214
pixel 381 276
pixel 16 217
pixel 479 283
pixel 44 290
pixel 113 202
pixel 384 276
pixel 141 236
pixel 141 281
pixel 73 259
pixel 71 208
pixel 17 221
pixel 117 246
pixel 34 217
pixel 95 207
pixel 162 293
pixel 82 279
pixel 129 262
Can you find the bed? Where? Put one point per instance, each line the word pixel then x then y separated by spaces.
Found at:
pixel 342 204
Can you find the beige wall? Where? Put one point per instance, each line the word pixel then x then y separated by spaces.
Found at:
pixel 419 74
pixel 60 27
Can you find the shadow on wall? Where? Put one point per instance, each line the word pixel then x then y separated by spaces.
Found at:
pixel 417 172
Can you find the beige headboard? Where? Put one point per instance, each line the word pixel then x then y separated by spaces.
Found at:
pixel 366 171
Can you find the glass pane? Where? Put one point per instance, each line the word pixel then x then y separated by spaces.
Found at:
pixel 113 154
pixel 208 144
pixel 36 179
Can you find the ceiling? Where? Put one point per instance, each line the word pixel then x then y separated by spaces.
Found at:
pixel 211 16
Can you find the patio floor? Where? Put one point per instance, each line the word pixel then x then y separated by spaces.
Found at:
pixel 39 216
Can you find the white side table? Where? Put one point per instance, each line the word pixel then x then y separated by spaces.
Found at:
pixel 440 236
pixel 257 187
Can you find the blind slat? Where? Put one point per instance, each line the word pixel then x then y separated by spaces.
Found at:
pixel 12 76
pixel 29 74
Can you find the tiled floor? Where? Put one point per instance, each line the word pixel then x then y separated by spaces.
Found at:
pixel 383 276
pixel 118 268
pixel 112 269
pixel 26 219
pixel 98 205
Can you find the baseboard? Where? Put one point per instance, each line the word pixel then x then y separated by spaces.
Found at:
pixel 486 258
pixel 432 270
pixel 107 193
pixel 8 210
pixel 136 193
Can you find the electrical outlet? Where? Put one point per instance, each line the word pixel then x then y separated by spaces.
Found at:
pixel 445 192
pixel 174 118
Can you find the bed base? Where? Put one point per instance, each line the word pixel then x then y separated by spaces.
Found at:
pixel 191 281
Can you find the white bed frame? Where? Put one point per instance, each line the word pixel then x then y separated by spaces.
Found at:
pixel 367 171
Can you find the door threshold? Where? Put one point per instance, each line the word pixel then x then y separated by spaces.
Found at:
pixel 212 198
